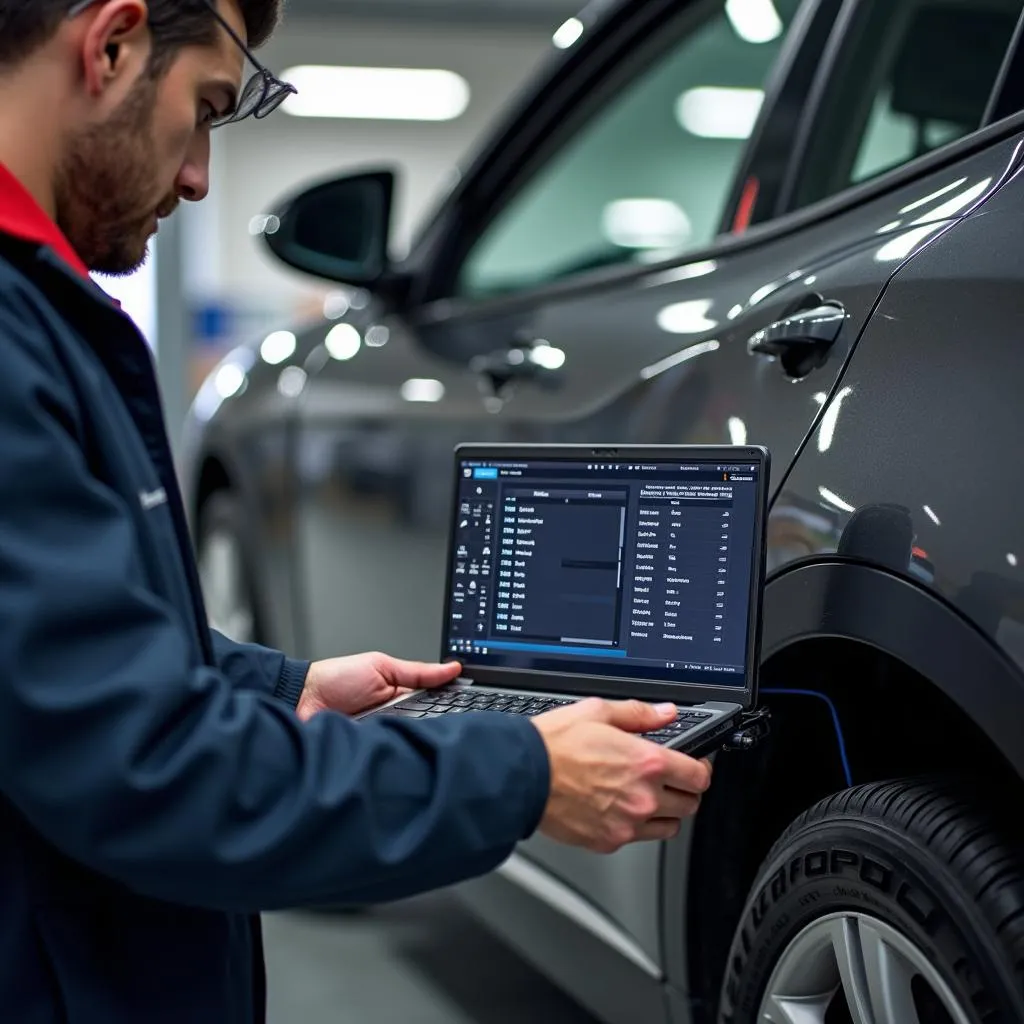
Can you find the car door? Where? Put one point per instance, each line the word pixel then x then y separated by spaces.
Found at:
pixel 618 271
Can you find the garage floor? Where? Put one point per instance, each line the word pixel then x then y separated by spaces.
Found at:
pixel 424 961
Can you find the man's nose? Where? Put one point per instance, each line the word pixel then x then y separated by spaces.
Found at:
pixel 193 182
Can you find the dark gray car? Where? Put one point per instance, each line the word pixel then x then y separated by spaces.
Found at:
pixel 799 225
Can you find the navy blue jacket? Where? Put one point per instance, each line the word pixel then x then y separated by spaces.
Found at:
pixel 157 789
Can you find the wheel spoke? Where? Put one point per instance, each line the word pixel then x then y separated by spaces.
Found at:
pixel 849 952
pixel 796 1009
pixel 889 977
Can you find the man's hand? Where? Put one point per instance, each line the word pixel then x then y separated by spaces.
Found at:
pixel 363 681
pixel 609 788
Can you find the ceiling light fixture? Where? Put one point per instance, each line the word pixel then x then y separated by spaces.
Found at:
pixel 422 390
pixel 687 317
pixel 829 422
pixel 754 21
pixel 278 347
pixel 228 380
pixel 737 430
pixel 835 501
pixel 343 342
pixel 376 94
pixel 700 349
pixel 646 224
pixel 568 33
pixel 713 112
pixel 548 357
pixel 292 381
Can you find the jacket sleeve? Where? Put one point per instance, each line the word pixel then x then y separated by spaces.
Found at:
pixel 252 667
pixel 160 774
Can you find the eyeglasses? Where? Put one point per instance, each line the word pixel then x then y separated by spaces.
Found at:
pixel 261 95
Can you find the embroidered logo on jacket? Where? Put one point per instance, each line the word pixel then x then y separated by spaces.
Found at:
pixel 151 499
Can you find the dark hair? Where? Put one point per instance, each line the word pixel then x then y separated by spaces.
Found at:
pixel 26 24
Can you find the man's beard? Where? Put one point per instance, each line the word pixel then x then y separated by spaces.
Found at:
pixel 105 186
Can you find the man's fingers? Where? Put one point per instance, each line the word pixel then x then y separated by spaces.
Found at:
pixel 636 716
pixel 683 773
pixel 658 829
pixel 418 675
pixel 672 803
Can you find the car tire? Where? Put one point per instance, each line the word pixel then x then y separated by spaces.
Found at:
pixel 892 903
pixel 225 569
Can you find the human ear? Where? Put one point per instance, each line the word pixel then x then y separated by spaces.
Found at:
pixel 115 44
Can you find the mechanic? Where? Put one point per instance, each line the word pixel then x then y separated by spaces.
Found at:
pixel 161 784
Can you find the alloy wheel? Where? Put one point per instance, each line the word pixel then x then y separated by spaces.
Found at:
pixel 854 969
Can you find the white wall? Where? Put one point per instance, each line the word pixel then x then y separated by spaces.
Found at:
pixel 257 161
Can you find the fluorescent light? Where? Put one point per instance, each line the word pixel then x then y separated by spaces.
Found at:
pixel 686 273
pixel 734 312
pixel 763 292
pixel 378 336
pixel 737 430
pixel 376 94
pixel 904 244
pixel 755 21
pixel 292 381
pixel 548 356
pixel 700 349
pixel 958 202
pixel 931 515
pixel 646 224
pixel 833 499
pixel 422 390
pixel 687 317
pixel 719 113
pixel 278 347
pixel 568 33
pixel 343 342
pixel 264 224
pixel 336 305
pixel 1012 559
pixel 228 380
pixel 829 421
pixel 932 196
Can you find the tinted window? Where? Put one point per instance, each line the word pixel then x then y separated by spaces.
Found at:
pixel 912 76
pixel 649 174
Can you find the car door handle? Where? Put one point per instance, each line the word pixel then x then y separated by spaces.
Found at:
pixel 801 341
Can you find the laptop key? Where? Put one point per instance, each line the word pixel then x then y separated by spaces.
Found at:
pixel 402 713
pixel 417 705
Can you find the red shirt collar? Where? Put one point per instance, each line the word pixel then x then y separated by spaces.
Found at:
pixel 22 217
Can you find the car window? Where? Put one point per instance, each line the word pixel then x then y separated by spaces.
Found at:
pixel 913 75
pixel 649 174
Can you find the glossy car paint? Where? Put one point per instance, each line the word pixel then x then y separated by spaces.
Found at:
pixel 922 439
pixel 348 482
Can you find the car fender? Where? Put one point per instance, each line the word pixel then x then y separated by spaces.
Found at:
pixel 841 598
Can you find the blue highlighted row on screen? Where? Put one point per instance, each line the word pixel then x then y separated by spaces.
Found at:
pixel 597 652
pixel 485 474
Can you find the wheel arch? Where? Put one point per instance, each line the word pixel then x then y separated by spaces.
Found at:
pixel 829 626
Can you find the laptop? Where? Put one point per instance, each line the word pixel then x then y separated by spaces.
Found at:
pixel 617 572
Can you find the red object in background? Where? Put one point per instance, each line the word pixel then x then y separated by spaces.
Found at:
pixel 745 207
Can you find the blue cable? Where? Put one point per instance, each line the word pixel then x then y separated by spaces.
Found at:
pixel 835 722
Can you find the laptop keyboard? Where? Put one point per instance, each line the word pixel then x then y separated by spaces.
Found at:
pixel 457 702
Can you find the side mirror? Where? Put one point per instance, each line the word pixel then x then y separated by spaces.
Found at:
pixel 337 229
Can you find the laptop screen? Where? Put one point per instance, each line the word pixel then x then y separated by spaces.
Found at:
pixel 628 569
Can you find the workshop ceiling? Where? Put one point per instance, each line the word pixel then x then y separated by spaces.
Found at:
pixel 541 13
